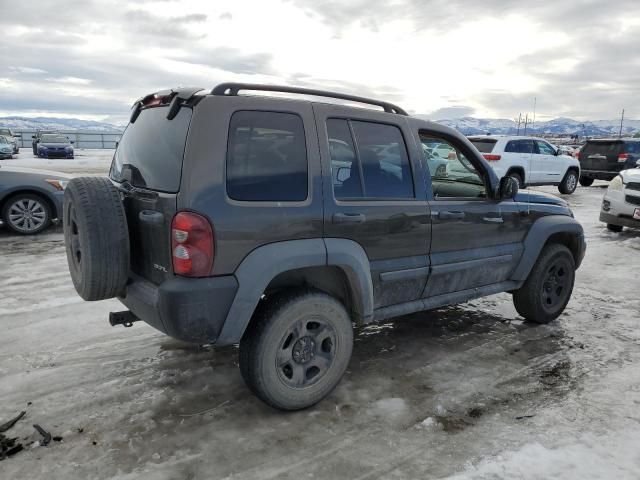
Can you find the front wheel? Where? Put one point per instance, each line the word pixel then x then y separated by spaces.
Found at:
pixel 516 176
pixel 547 290
pixel 586 181
pixel 569 183
pixel 296 349
pixel 27 214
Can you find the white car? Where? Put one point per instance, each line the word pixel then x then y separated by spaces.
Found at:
pixel 621 202
pixel 530 160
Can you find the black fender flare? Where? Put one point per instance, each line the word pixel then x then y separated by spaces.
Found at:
pixel 264 263
pixel 537 237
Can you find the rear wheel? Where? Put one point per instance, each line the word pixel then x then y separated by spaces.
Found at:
pixel 296 349
pixel 547 290
pixel 27 214
pixel 569 183
pixel 586 181
pixel 614 228
pixel 518 178
pixel 96 238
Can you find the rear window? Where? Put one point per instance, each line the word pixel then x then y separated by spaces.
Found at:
pixel 267 157
pixel 601 148
pixel 485 145
pixel 151 150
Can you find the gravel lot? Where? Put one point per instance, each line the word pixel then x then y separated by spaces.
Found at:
pixel 464 392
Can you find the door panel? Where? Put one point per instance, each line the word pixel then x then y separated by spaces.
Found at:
pixel 394 232
pixel 546 163
pixel 476 240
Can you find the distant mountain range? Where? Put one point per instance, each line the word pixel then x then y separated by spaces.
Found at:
pixel 557 126
pixel 466 125
pixel 53 123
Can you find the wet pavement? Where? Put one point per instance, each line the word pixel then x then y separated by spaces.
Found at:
pixel 469 391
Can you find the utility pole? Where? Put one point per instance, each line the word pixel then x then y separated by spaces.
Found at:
pixel 535 101
pixel 526 120
pixel 519 120
pixel 621 122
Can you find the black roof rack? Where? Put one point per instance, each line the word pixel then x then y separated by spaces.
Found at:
pixel 233 89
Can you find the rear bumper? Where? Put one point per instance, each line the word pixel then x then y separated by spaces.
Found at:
pixel 189 309
pixel 599 174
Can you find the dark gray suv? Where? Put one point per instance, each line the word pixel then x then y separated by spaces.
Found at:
pixel 278 223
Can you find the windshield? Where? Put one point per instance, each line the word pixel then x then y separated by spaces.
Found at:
pixel 151 149
pixel 54 139
pixel 6 132
pixel 3 140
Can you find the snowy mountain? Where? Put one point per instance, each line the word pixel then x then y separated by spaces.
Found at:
pixel 52 123
pixel 557 126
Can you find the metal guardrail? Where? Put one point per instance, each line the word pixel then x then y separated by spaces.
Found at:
pixel 81 138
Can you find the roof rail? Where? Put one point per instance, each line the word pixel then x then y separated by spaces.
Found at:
pixel 232 88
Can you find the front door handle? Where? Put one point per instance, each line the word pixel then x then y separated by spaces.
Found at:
pixel 348 218
pixel 493 219
pixel 451 215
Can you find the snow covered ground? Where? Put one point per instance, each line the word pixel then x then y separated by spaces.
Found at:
pixel 468 392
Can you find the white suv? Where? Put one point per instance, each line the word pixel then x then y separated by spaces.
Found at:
pixel 621 202
pixel 530 160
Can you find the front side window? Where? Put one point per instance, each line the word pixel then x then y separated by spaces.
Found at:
pixel 544 148
pixel 453 175
pixel 368 160
pixel 267 157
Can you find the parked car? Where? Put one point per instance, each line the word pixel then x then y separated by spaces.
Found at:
pixel 565 150
pixel 30 199
pixel 604 159
pixel 223 222
pixel 621 202
pixel 55 145
pixel 35 139
pixel 530 160
pixel 11 137
pixel 436 160
pixel 6 148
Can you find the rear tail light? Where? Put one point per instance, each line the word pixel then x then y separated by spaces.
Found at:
pixel 192 248
pixel 491 158
pixel 623 157
pixel 577 155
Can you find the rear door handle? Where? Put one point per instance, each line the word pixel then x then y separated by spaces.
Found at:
pixel 348 218
pixel 493 219
pixel 451 215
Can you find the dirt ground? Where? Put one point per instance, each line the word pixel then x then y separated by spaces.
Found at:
pixel 464 392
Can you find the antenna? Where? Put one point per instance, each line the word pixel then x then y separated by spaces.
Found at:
pixel 535 101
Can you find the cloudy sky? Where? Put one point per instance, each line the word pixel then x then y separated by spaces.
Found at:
pixel 444 58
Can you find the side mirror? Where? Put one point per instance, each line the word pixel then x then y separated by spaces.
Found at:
pixel 72 142
pixel 638 164
pixel 33 136
pixel 508 188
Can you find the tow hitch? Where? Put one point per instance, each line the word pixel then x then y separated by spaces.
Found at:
pixel 125 318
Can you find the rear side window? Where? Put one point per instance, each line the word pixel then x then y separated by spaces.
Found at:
pixel 519 146
pixel 368 160
pixel 267 157
pixel 632 147
pixel 484 145
pixel 151 150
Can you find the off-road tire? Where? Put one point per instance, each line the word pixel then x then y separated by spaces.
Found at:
pixel 96 238
pixel 266 335
pixel 569 183
pixel 528 299
pixel 45 210
pixel 586 181
pixel 614 228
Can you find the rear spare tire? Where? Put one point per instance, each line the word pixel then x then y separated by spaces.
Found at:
pixel 96 238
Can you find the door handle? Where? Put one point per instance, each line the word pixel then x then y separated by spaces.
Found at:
pixel 493 219
pixel 451 215
pixel 348 218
